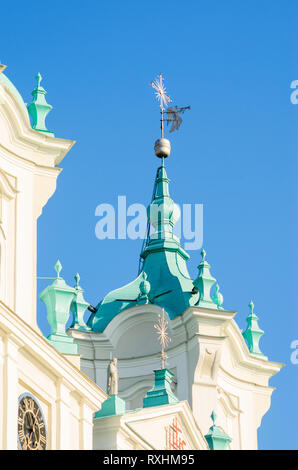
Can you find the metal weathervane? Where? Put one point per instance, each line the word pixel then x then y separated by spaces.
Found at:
pixel 172 114
pixel 162 329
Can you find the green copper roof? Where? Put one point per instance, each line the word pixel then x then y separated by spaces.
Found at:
pixel 164 280
pixel 14 91
pixel 113 406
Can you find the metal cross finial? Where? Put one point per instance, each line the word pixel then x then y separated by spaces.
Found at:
pixel 203 254
pixel 162 326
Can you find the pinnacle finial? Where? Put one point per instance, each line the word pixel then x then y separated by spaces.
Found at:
pixel 58 268
pixel 216 437
pixel 77 279
pixel 253 332
pixel 144 288
pixel 204 283
pixel 213 417
pixel 39 108
pixel 217 297
pixel 38 78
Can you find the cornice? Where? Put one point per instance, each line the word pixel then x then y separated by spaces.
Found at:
pixel 39 147
pixel 58 364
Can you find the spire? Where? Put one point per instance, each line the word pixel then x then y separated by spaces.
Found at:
pixel 162 183
pixel 217 439
pixel 162 213
pixel 253 332
pixel 79 307
pixel 39 108
pixel 58 297
pixel 203 283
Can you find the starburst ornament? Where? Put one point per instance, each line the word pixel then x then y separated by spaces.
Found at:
pixel 172 114
pixel 162 326
pixel 160 93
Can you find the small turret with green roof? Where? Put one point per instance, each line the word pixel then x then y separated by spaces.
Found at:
pixel 58 297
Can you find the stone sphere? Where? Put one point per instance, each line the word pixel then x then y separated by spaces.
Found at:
pixel 162 148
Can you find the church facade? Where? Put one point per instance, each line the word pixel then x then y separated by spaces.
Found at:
pixel 99 384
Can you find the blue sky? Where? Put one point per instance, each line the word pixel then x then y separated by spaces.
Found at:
pixel 236 151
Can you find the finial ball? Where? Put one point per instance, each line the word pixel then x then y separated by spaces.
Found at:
pixel 162 148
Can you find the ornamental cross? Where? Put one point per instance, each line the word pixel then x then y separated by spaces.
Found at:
pixel 172 114
pixel 162 326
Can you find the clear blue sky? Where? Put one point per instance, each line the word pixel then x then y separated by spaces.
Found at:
pixel 236 152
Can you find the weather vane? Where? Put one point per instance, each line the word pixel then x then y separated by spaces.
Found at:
pixel 162 326
pixel 164 100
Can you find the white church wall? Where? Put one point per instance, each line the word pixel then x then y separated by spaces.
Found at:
pixel 29 365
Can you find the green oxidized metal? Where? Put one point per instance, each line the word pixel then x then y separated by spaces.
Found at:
pixel 253 332
pixel 165 268
pixel 39 108
pixel 113 406
pixel 217 439
pixel 217 297
pixel 58 297
pixel 203 283
pixel 161 393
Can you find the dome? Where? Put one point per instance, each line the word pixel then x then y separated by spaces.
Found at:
pixel 14 91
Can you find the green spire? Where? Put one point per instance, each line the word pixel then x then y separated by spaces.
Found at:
pixel 203 283
pixel 162 183
pixel 217 439
pixel 253 333
pixel 79 307
pixel 217 297
pixel 39 108
pixel 161 393
pixel 163 214
pixel 58 297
